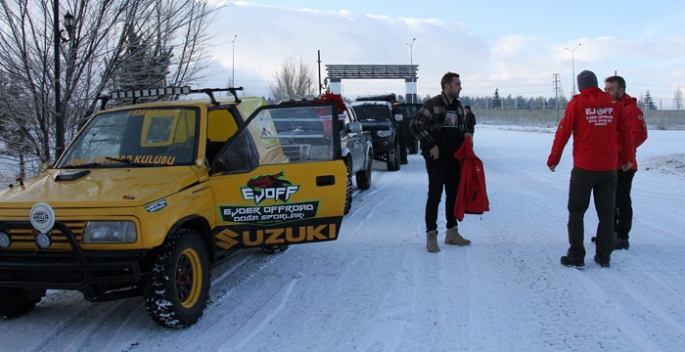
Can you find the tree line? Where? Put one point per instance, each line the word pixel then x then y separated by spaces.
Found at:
pixel 113 45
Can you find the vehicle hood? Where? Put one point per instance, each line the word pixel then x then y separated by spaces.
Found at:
pixel 376 125
pixel 122 187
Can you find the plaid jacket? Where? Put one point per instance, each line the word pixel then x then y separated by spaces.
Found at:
pixel 428 120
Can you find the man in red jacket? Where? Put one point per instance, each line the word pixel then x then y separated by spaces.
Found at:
pixel 596 121
pixel 623 218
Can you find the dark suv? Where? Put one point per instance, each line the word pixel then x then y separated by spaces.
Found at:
pixel 407 139
pixel 377 116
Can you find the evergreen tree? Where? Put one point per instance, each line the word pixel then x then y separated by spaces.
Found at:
pixel 649 102
pixel 496 100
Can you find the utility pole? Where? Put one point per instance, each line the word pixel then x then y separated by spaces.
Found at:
pixel 59 130
pixel 318 53
pixel 556 92
pixel 70 24
pixel 573 68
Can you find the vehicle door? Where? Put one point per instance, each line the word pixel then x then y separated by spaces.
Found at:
pixel 353 139
pixel 280 178
pixel 408 111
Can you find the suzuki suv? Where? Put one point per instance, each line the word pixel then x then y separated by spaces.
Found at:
pixel 148 196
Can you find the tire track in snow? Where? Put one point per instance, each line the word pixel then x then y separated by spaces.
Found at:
pixel 250 314
pixel 606 306
pixel 99 319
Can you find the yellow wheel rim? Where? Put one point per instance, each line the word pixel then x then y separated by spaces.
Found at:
pixel 188 278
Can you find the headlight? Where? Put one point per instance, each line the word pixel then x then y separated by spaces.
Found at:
pixel 384 133
pixel 109 232
pixel 319 152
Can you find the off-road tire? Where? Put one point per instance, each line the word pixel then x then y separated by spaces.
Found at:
pixel 393 156
pixel 177 280
pixel 414 147
pixel 18 301
pixel 363 176
pixel 276 248
pixel 348 193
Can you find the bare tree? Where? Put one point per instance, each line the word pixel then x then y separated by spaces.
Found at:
pixel 94 57
pixel 678 99
pixel 293 78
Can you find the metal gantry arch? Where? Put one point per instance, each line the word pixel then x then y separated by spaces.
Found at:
pixel 336 73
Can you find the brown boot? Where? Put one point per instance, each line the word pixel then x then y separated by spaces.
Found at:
pixel 453 237
pixel 432 241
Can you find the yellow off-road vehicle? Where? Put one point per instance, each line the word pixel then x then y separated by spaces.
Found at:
pixel 147 196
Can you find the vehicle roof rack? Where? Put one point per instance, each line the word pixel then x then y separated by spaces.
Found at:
pixel 156 92
pixel 391 98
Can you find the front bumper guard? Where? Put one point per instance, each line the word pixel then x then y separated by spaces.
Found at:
pixel 71 270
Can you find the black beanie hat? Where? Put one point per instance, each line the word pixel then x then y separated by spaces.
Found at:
pixel 586 79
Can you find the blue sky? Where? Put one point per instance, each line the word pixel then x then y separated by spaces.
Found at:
pixel 515 47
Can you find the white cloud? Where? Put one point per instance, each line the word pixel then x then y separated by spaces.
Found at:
pixel 517 64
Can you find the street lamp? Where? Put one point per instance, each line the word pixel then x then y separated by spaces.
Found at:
pixel 573 67
pixel 233 72
pixel 411 54
pixel 411 65
pixel 70 25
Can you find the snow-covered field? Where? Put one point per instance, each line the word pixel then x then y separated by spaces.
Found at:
pixel 378 289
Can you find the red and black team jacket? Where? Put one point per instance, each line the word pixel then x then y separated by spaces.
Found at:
pixel 598 125
pixel 472 197
pixel 638 126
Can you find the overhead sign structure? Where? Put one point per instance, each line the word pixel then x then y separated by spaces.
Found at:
pixel 336 73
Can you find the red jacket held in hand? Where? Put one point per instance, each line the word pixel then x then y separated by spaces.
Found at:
pixel 472 197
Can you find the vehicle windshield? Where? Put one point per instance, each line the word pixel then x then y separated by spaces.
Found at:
pixel 372 112
pixel 139 137
pixel 408 110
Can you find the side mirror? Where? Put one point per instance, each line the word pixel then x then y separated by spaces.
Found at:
pixel 354 127
pixel 398 117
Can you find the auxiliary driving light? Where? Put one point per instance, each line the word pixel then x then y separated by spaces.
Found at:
pixel 43 240
pixel 5 240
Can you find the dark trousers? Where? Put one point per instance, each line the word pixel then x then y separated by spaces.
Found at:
pixel 442 173
pixel 623 218
pixel 602 184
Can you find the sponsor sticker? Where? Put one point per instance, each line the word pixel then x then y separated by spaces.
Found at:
pixel 269 214
pixel 42 217
pixel 157 206
pixel 274 187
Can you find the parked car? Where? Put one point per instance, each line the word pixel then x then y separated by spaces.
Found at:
pixel 147 196
pixel 408 141
pixel 355 144
pixel 378 118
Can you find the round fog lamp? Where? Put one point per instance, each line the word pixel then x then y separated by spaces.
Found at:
pixel 43 240
pixel 5 240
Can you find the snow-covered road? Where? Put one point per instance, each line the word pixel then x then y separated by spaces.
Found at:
pixel 378 289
